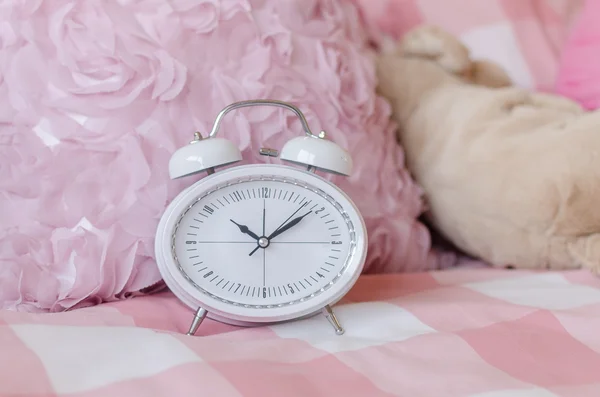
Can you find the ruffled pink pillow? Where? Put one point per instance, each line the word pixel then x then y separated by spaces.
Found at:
pixel 579 72
pixel 95 96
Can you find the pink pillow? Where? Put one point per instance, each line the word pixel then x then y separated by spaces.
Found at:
pixel 579 72
pixel 95 96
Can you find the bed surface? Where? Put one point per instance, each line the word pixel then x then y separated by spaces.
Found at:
pixel 465 332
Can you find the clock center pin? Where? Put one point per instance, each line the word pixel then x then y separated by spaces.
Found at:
pixel 263 242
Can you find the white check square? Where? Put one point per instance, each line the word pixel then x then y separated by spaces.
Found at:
pixel 533 392
pixel 550 291
pixel 366 324
pixel 82 358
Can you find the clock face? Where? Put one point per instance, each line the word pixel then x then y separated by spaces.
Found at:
pixel 273 241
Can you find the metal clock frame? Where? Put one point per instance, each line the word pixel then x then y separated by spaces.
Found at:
pixel 217 152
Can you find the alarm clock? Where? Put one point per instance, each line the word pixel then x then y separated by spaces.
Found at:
pixel 258 244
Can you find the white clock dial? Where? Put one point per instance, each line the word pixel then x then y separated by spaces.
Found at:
pixel 264 242
pixel 260 244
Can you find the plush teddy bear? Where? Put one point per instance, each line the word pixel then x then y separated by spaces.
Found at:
pixel 510 176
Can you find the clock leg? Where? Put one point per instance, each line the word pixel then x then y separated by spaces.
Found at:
pixel 198 318
pixel 328 311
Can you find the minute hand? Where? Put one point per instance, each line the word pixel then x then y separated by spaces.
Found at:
pixel 291 224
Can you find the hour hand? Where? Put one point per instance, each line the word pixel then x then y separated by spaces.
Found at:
pixel 244 229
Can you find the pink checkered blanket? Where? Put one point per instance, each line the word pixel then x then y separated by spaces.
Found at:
pixel 466 332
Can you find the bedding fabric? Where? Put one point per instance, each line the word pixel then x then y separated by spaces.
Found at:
pixel 457 333
pixel 579 72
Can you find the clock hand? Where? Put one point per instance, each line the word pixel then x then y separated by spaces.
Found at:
pixel 263 230
pixel 264 268
pixel 244 229
pixel 290 217
pixel 280 226
pixel 292 223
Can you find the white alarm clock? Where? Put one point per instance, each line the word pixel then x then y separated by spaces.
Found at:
pixel 261 243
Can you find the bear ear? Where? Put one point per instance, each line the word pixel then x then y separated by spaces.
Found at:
pixel 437 45
pixel 489 74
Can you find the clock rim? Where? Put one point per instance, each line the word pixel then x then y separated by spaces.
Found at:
pixel 239 315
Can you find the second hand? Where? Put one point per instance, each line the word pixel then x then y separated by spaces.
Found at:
pixel 264 251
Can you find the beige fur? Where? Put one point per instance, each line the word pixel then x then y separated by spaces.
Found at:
pixel 510 176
